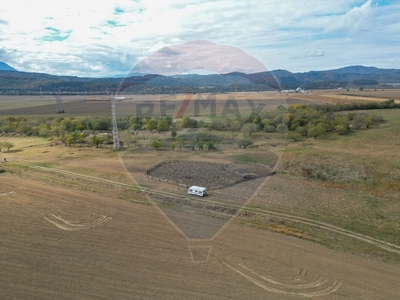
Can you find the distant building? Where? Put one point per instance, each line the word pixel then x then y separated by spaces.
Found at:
pixel 300 90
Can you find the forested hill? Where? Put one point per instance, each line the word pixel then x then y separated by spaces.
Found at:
pixel 5 67
pixel 354 75
pixel 14 82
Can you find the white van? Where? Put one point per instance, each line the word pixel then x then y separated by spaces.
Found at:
pixel 197 190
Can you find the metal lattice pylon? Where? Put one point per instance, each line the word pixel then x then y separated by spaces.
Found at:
pixel 115 124
pixel 59 102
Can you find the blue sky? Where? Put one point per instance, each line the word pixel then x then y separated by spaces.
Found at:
pixel 107 38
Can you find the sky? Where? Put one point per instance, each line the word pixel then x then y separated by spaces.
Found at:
pixel 113 37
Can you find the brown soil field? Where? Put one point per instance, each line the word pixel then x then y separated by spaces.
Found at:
pixel 100 105
pixel 335 96
pixel 106 248
pixel 92 106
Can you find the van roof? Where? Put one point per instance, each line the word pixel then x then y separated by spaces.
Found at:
pixel 197 187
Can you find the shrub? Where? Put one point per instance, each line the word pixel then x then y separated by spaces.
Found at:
pixel 210 146
pixel 245 143
pixel 294 136
pixel 97 140
pixel 181 141
pixel 316 131
pixel 156 144
pixel 248 129
pixel 341 129
pixel 269 128
pixel 6 146
pixel 281 128
pixel 162 125
pixel 376 119
pixel 173 133
pixel 200 145
pixel 358 122
pixel 301 130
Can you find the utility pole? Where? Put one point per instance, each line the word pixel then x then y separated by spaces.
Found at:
pixel 115 124
pixel 59 103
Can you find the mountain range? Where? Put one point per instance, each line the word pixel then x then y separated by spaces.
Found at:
pixel 5 67
pixel 13 81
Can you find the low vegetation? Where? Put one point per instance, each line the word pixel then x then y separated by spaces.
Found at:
pixel 6 146
pixel 298 122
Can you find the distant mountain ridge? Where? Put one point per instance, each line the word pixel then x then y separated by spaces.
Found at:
pixel 5 67
pixel 354 72
pixel 195 80
pixel 360 70
pixel 12 81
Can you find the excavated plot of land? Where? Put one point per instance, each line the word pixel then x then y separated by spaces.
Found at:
pixel 213 176
pixel 226 186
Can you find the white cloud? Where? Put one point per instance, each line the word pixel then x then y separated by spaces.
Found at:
pixel 198 55
pixel 356 19
pixel 157 47
pixel 316 53
pixel 109 37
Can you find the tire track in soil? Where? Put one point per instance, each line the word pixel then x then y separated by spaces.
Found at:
pixel 321 225
pixel 317 281
pixel 287 289
pixel 5 194
pixel 93 222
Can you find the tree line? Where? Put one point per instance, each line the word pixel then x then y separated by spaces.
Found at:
pixel 297 121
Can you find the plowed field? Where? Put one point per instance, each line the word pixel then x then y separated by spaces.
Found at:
pixel 59 243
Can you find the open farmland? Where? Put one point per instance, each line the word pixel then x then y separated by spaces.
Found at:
pixel 137 254
pixel 85 222
pixel 343 96
pixel 100 105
